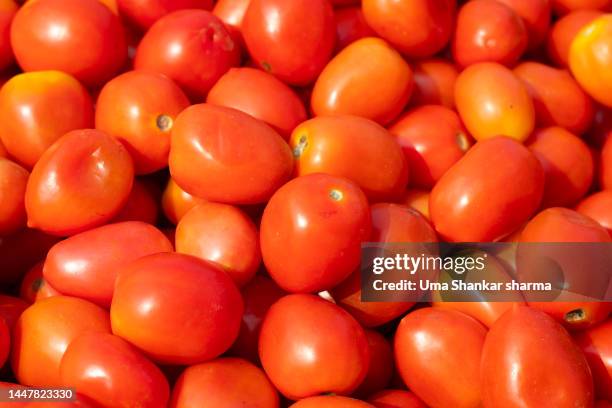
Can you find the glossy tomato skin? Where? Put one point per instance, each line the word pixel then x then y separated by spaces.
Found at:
pixel 162 297
pixel 142 204
pixel 563 32
pixel 191 47
pixel 320 214
pixel 431 347
pixel 392 398
pixel 34 286
pixel 598 206
pixel 462 210
pixel 47 34
pixel 13 181
pixel 375 161
pixel 80 182
pixel 8 9
pixel 528 359
pixel 350 26
pixel 262 96
pixel 418 29
pixel 292 40
pixel 37 108
pixel 232 12
pixel 144 13
pixel 434 83
pixel 330 401
pixel 536 14
pixel 605 165
pixel 338 355
pixel 112 372
pixel 492 101
pixel 368 78
pixel 224 383
pixel 596 344
pixel 176 202
pixel 215 149
pixel 563 225
pixel 138 108
pixel 380 368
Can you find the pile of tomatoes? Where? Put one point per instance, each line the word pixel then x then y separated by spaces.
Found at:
pixel 185 186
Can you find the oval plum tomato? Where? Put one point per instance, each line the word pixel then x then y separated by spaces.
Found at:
pixel 375 160
pixel 368 78
pixel 224 383
pixel 232 12
pixel 176 202
pixel 191 47
pixel 396 399
pixel 418 28
pixel 492 101
pixel 138 108
pixel 162 297
pixel 488 31
pixel 530 360
pixel 563 225
pixel 564 6
pixel 563 32
pixel 320 214
pixel 462 210
pixel 215 149
pixel 350 26
pixel 13 181
pixel 142 204
pixel 112 372
pixel 380 368
pixel 290 39
pixel 21 251
pixel 536 15
pixel 44 331
pixel 433 139
pixel 598 206
pixel 437 353
pixel 143 13
pixel 325 350
pixel 596 344
pixel 434 83
pixel 262 96
pixel 8 8
pixel 330 401
pixel 568 165
pixel 48 34
pixel 417 199
pixel 37 108
pixel 86 265
pixel 80 182
pixel 221 234
pixel 605 165
pixel 35 287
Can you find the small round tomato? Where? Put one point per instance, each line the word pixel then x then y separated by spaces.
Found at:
pixel 536 17
pixel 417 28
pixel 330 401
pixel 163 297
pixel 492 101
pixel 138 108
pixel 37 108
pixel 596 344
pixel 499 203
pixel 224 383
pixel 13 181
pixel 351 147
pixel 434 83
pixel 80 182
pixel 262 96
pixel 368 78
pixel 290 39
pixel 563 225
pixel 232 12
pixel 433 139
pixel 598 206
pixel 314 214
pixel 431 347
pixel 44 331
pixel 324 350
pixel 48 34
pixel 8 8
pixel 396 399
pixel 35 287
pixel 21 251
pixel 142 204
pixel 350 26
pixel 417 199
pixel 529 358
pixel 380 368
pixel 143 13
pixel 565 6
pixel 176 202
pixel 605 165
pixel 563 32
pixel 191 47
pixel 112 372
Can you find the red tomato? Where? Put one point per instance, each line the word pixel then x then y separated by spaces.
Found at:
pixel 563 225
pixel 21 251
pixel 232 12
pixel 499 203
pixel 417 199
pixel 5 341
pixel 330 401
pixel 112 372
pixel 163 297
pixel 48 34
pixel 290 39
pixel 143 13
pixel 314 214
pixel 564 6
pixel 418 28
pixel 191 47
pixel 176 202
pixel 596 343
pixel 37 108
pixel 80 182
pixel 35 287
pixel 598 206
pixel 224 383
pixel 8 8
pixel 3 152
pixel 605 165
pixel 536 17
pixel 138 108
pixel 601 128
pixel 486 313
pixel 13 180
pixel 529 359
pixel 11 308
pixel 350 26
pixel 396 399
pixel 431 347
pixel 434 83
pixel 215 149
pixel 142 204
pixel 563 32
pixel 324 350
pixel 368 78
pixel 262 96
pixel 44 331
pixel 380 368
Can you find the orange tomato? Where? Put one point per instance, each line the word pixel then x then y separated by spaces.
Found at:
pixel 13 180
pixel 605 165
pixel 380 369
pixel 176 202
pixel 8 9
pixel 564 6
pixel 563 32
pixel 535 15
pixel 417 199
pixel 598 206
pixel 563 225
pixel 330 401
pixel 396 398
pixel 350 26
pixel 143 13
pixel 232 12
pixel 35 287
pixel 142 204
pixel 434 83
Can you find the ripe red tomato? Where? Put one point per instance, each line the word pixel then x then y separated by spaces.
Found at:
pixel 563 32
pixel 324 350
pixel 417 199
pixel 320 214
pixel 48 34
pixel 112 372
pixel 215 149
pixel 396 398
pixel 13 180
pixel 598 206
pixel 350 26
pixel 434 83
pixel 8 8
pixel 35 287
pixel 176 202
pixel 563 225
pixel 485 312
pixel 191 47
pixel 37 108
pixel 380 368
pixel 143 13
pixel 564 6
pixel 290 39
pixel 529 358
pixel 163 297
pixel 142 204
pixel 139 108
pixel 605 165
pixel 596 344
pixel 536 17
pixel 232 12
pixel 330 401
